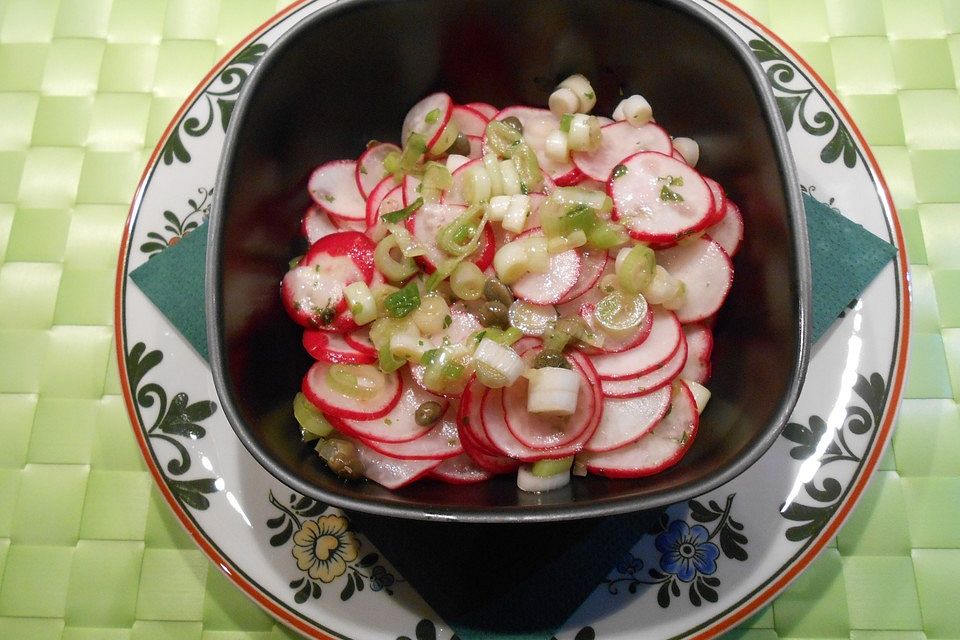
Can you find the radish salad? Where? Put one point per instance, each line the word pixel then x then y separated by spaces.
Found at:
pixel 520 291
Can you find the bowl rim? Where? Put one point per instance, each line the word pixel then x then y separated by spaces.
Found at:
pixel 533 512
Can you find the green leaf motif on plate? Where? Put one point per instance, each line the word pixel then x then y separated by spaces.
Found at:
pixel 177 227
pixel 818 435
pixel 220 97
pixel 793 103
pixel 175 421
pixel 326 550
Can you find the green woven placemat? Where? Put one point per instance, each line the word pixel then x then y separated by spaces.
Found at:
pixel 88 549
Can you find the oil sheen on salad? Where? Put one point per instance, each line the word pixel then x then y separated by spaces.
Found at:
pixel 519 290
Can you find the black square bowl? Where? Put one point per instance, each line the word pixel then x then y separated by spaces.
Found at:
pixel 348 74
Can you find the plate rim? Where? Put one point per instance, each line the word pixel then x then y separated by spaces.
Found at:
pixel 750 603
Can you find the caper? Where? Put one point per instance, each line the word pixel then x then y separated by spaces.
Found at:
pixel 428 413
pixel 496 291
pixel 343 459
pixel 513 122
pixel 460 146
pixel 493 314
pixel 548 358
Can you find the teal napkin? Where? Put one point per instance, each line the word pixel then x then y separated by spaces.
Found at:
pixel 491 582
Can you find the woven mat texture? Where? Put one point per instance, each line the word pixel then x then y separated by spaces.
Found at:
pixel 88 550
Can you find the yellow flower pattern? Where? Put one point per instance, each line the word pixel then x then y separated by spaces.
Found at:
pixel 323 547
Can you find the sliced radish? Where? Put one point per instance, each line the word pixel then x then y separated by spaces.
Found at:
pixel 454 195
pixel 460 470
pixel 551 286
pixel 728 232
pixel 705 268
pixel 440 442
pixel 370 171
pixel 719 201
pixel 592 264
pixel 649 381
pixel 398 424
pixel 537 125
pixel 699 348
pixel 538 431
pixel 476 147
pixel 312 292
pixel 360 340
pixel 333 348
pixel 495 426
pixel 333 186
pixel 662 342
pixel 620 140
pixel 428 118
pixel 411 189
pixel 659 449
pixel 571 178
pixel 372 211
pixel 337 406
pixel 488 111
pixel 638 198
pixel 469 121
pixel 626 420
pixel 425 225
pixel 316 224
pixel 619 342
pixel 474 438
pixel 346 224
pixel 392 473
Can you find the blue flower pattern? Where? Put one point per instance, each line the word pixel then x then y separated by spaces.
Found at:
pixel 686 551
pixel 685 554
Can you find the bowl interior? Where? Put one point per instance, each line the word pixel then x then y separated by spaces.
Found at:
pixel 348 74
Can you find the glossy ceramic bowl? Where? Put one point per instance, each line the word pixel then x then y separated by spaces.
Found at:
pixel 349 73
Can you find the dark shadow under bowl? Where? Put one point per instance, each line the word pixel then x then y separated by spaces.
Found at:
pixel 349 73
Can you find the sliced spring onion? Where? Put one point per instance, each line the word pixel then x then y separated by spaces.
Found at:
pixel 510 261
pixel 408 344
pixel 506 337
pixel 662 287
pixel 582 89
pixel 546 468
pixel 565 243
pixel 412 152
pixel 360 381
pixel 309 417
pixel 584 133
pixel 530 483
pixel 510 177
pixel 496 365
pixel 500 136
pixel 437 176
pixel 607 236
pixel 400 215
pixel 553 391
pixel 402 302
pixel 448 137
pixel 556 147
pixel 386 361
pixel 515 218
pixel 492 166
pixel 360 301
pixel 618 312
pixel 700 394
pixel 462 236
pixel 431 316
pixel 635 267
pixel 496 209
pixel 395 269
pixel 467 281
pixel 532 319
pixel 476 184
pixel 409 246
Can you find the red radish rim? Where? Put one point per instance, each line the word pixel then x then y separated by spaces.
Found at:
pixel 335 413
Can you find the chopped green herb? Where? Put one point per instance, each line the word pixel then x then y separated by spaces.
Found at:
pixel 294 262
pixel 684 438
pixel 589 95
pixel 565 121
pixel 328 197
pixel 673 181
pixel 669 195
pixel 429 357
pixel 447 321
pixel 400 303
pixel 452 370
pixel 619 171
pixel 402 214
pixel 432 116
pixel 524 189
pixel 387 421
pixel 325 315
pixel 363 169
pixel 356 309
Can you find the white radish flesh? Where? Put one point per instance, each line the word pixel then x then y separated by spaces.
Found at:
pixel 369 170
pixel 661 343
pixel 333 186
pixel 392 473
pixel 706 270
pixel 553 284
pixel 620 141
pixel 699 348
pixel 337 406
pixel 728 232
pixel 625 420
pixel 650 381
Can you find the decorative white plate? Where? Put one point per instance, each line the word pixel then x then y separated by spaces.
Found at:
pixel 719 558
